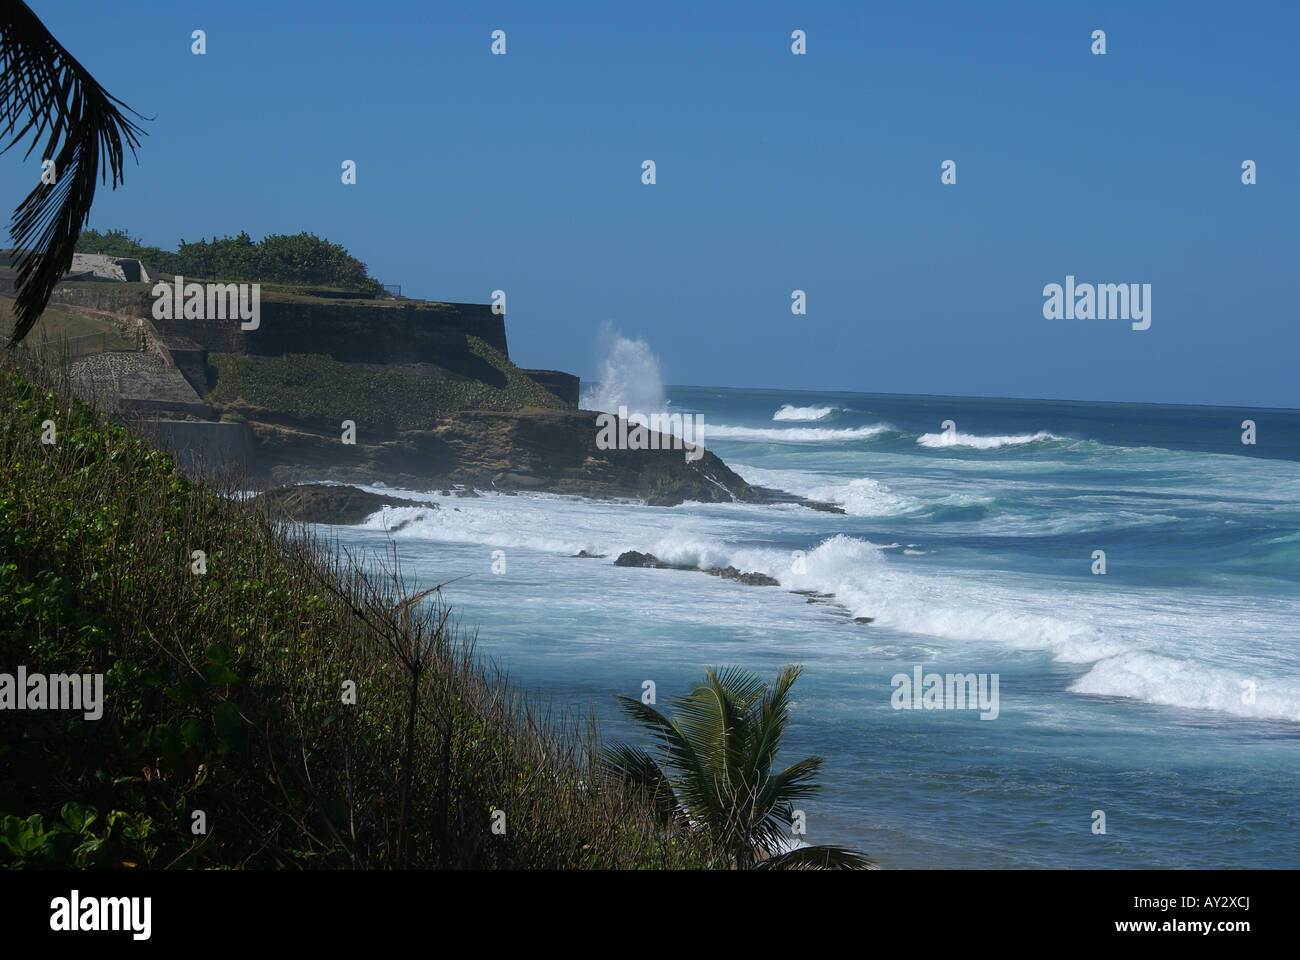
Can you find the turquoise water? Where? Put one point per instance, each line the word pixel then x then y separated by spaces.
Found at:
pixel 1164 692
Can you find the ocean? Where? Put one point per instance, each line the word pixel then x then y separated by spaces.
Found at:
pixel 1162 694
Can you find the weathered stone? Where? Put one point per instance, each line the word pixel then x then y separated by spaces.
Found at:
pixel 751 579
pixel 632 558
pixel 326 503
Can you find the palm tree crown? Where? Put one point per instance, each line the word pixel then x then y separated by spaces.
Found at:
pixel 714 771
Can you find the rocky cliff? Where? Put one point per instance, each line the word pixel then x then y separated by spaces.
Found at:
pixel 550 451
pixel 353 330
pixel 435 401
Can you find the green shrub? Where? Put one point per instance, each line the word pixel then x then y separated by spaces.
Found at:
pixel 302 258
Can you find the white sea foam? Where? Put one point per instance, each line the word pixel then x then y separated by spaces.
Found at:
pixel 897 596
pixel 629 376
pixel 1138 675
pixel 795 434
pixel 1135 644
pixel 861 496
pixel 491 520
pixel 900 598
pixel 790 412
pixel 955 439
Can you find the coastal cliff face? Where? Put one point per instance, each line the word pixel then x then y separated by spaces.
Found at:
pixel 563 385
pixel 429 387
pixel 551 451
pixel 348 329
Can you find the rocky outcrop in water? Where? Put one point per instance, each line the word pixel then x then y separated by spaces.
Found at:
pixel 632 558
pixel 327 503
pixel 546 451
pixel 750 579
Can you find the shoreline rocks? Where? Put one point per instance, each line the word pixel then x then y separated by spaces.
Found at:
pixel 348 505
pixel 466 451
pixel 633 558
pixel 750 579
pixel 327 503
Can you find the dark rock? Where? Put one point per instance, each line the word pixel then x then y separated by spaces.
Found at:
pixel 563 385
pixel 325 503
pixel 590 556
pixel 632 558
pixel 518 481
pixel 555 451
pixel 771 495
pixel 823 507
pixel 751 579
pixel 551 451
pixel 403 524
pixel 863 619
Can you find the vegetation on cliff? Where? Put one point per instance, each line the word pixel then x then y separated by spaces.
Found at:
pixel 318 389
pixel 59 322
pixel 227 682
pixel 302 258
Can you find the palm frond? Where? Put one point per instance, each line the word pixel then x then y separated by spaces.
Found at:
pixel 817 858
pixel 794 782
pixel 45 84
pixel 636 768
pixel 695 789
pixel 713 718
pixel 743 686
pixel 773 714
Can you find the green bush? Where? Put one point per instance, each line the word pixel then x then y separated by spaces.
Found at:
pixel 303 258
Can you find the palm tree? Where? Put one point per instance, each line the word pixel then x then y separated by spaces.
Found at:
pixel 43 83
pixel 715 770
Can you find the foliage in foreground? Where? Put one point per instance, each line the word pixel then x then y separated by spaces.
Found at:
pixel 223 690
pixel 714 773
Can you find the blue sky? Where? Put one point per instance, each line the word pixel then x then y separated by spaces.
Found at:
pixel 775 172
